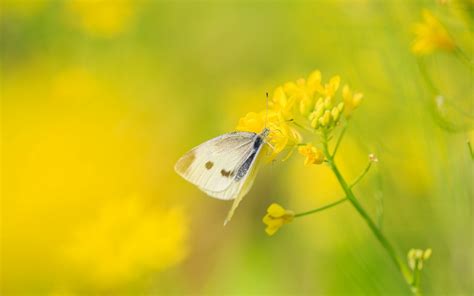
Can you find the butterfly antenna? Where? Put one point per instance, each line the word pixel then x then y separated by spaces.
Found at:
pixel 266 113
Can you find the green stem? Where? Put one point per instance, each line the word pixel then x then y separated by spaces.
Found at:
pixel 415 287
pixel 463 57
pixel 301 126
pixel 367 168
pixel 373 227
pixel 339 141
pixel 416 276
pixel 321 208
pixel 470 149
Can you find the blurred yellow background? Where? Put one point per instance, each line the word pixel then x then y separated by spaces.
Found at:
pixel 101 97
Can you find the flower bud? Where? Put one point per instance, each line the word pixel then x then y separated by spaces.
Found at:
pixel 340 107
pixel 275 218
pixel 319 103
pixel 305 106
pixel 326 118
pixel 373 158
pixel 357 99
pixel 327 102
pixel 335 114
pixel 427 254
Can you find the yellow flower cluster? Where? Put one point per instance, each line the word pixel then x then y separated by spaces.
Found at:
pixel 313 155
pixel 416 257
pixel 281 133
pixel 275 218
pixel 307 103
pixel 314 101
pixel 430 36
pixel 351 100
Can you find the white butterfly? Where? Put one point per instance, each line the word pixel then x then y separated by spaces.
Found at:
pixel 224 167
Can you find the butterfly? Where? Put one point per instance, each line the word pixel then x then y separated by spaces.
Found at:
pixel 224 167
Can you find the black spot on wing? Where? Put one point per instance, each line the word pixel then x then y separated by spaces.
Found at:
pixel 225 173
pixel 209 165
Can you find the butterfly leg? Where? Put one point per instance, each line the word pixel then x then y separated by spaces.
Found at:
pixel 271 146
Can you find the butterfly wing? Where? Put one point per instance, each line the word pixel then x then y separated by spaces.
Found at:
pixel 213 165
pixel 251 165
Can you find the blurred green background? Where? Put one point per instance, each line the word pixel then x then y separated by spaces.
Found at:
pixel 101 97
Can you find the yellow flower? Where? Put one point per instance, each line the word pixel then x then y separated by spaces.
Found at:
pixel 373 158
pixel 275 218
pixel 299 93
pixel 416 257
pixel 330 88
pixel 351 101
pixel 281 134
pixel 325 120
pixel 304 87
pixel 430 36
pixel 313 155
pixel 304 103
pixel 252 122
pixel 281 103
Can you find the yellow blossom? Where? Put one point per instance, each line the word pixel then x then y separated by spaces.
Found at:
pixel 281 103
pixel 430 36
pixel 351 101
pixel 325 119
pixel 416 257
pixel 275 218
pixel 335 113
pixel 373 158
pixel 427 254
pixel 313 155
pixel 330 88
pixel 304 87
pixel 281 133
pixel 299 93
pixel 303 103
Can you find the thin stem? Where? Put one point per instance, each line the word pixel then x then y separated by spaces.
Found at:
pixel 321 208
pixel 470 149
pixel 463 56
pixel 357 180
pixel 301 126
pixel 415 286
pixel 339 139
pixel 373 227
pixel 416 276
pixel 426 77
pixel 379 209
pixel 434 105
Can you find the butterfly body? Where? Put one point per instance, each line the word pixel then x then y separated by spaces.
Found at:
pixel 224 167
